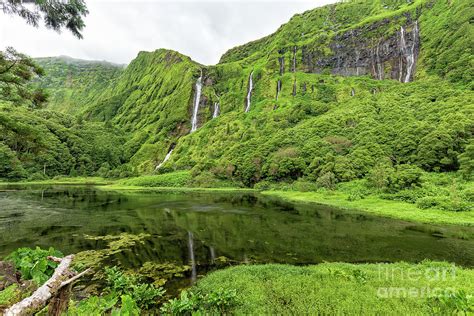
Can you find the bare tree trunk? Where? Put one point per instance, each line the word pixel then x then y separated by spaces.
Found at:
pixel 63 277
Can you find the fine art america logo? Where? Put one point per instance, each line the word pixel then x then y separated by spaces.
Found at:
pixel 433 276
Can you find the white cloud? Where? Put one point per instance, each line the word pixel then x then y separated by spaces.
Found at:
pixel 117 30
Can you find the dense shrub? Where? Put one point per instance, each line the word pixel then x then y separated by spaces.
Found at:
pixel 34 264
pixel 175 179
pixel 196 302
pixel 405 176
pixel 427 202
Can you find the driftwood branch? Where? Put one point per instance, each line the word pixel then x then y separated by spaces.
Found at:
pixel 44 293
pixel 74 278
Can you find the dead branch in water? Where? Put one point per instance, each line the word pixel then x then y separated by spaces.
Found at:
pixel 61 277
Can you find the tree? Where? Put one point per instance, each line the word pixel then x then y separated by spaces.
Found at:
pixel 10 166
pixel 55 14
pixel 466 161
pixel 16 70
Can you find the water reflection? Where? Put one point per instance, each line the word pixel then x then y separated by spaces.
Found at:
pixel 193 228
pixel 192 260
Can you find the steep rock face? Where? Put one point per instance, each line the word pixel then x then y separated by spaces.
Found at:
pixel 358 52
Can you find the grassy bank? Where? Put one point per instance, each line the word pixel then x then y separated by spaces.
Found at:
pixel 64 181
pixel 121 187
pixel 340 288
pixel 378 206
pixel 441 194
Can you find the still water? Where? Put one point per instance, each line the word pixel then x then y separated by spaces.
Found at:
pixel 198 228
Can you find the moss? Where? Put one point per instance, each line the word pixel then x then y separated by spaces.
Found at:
pixel 9 296
pixel 341 288
pixel 160 273
pixel 115 244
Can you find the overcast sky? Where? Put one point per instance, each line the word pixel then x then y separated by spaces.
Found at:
pixel 117 30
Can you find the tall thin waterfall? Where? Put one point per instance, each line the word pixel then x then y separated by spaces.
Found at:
pixel 216 110
pixel 294 59
pixel 168 155
pixel 197 98
pixel 411 54
pixel 407 53
pixel 379 63
pixel 249 93
pixel 403 47
pixel 191 256
pixel 278 89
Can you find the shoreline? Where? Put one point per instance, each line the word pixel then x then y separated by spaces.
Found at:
pixel 371 204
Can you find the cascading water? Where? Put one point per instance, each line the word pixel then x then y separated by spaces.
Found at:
pixel 411 54
pixel 216 110
pixel 197 98
pixel 278 89
pixel 357 53
pixel 407 53
pixel 294 59
pixel 192 260
pixel 403 47
pixel 249 93
pixel 379 64
pixel 168 155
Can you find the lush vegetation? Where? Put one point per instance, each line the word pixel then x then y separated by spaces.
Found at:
pixel 437 288
pixel 323 128
pixel 74 84
pixel 340 288
pixel 403 150
pixel 33 263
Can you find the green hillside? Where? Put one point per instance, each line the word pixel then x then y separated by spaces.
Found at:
pixel 74 83
pixel 339 93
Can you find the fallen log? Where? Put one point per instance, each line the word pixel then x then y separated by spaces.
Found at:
pixel 61 277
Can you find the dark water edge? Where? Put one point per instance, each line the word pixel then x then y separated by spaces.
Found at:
pixel 211 229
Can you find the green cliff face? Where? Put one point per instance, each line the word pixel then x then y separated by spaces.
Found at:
pixel 335 92
pixel 73 83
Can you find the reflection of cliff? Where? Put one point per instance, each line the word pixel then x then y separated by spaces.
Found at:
pixel 315 236
pixel 237 226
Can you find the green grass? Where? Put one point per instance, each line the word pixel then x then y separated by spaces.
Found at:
pixel 378 206
pixel 173 179
pixel 340 288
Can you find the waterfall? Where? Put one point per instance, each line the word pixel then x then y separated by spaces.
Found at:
pixel 357 53
pixel 353 92
pixel 191 256
pixel 249 93
pixel 197 98
pixel 216 110
pixel 168 155
pixel 294 59
pixel 278 89
pixel 379 64
pixel 213 254
pixel 281 61
pixel 407 53
pixel 411 55
pixel 403 46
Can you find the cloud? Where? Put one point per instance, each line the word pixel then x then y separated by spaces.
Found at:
pixel 117 30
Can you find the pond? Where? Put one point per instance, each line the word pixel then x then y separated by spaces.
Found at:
pixel 199 229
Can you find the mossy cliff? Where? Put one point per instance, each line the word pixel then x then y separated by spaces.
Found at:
pixel 335 92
